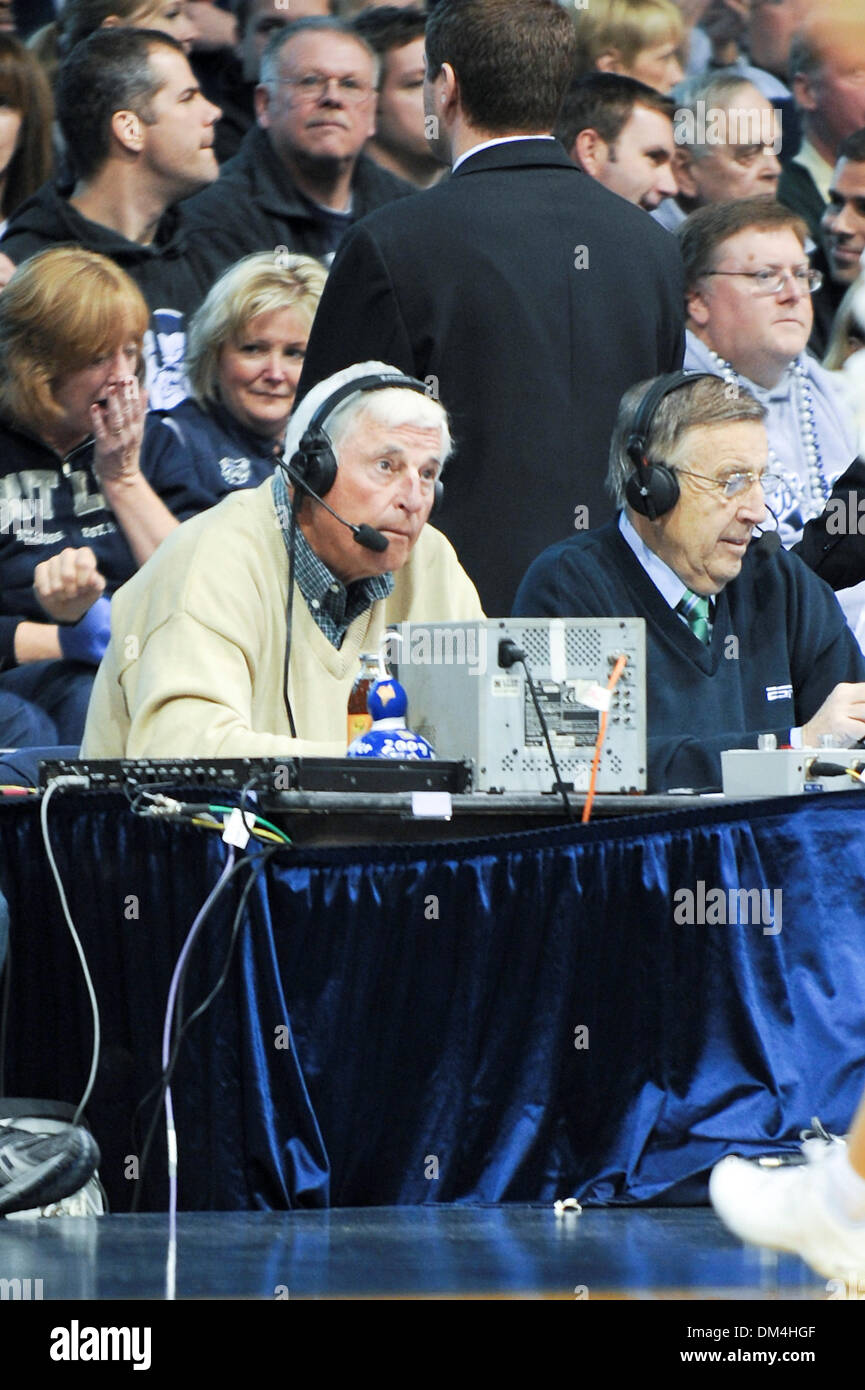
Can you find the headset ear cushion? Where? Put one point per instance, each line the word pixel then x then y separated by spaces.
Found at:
pixel 316 462
pixel 633 496
pixel 439 495
pixel 662 486
pixel 297 464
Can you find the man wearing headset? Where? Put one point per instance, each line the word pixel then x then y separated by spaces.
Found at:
pixel 207 657
pixel 741 637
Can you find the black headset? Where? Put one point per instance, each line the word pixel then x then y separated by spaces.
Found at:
pixel 653 488
pixel 315 463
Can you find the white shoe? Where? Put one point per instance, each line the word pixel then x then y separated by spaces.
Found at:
pixel 786 1208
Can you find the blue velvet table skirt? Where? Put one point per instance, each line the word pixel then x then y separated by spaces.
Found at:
pixel 560 1012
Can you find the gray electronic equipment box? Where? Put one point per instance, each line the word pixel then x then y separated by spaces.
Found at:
pixel 468 706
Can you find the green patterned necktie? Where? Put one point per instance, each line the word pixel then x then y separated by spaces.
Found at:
pixel 694 608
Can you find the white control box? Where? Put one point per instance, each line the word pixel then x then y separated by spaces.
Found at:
pixel 758 772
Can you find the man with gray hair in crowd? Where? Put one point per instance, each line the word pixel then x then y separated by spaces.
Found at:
pixel 300 178
pixel 728 141
pixel 741 637
pixel 243 637
pixel 827 58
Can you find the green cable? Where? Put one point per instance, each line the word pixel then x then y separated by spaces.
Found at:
pixel 258 819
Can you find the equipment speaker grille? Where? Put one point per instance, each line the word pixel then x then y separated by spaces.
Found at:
pixel 582 647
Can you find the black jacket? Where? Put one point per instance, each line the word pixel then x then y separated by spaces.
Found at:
pixel 254 206
pixel 833 544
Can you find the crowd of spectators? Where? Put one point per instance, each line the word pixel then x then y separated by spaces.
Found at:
pixel 254 252
pixel 222 155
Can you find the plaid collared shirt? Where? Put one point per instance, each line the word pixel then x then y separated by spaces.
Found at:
pixel 333 605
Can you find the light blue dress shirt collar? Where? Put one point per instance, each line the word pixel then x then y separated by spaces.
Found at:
pixel 665 580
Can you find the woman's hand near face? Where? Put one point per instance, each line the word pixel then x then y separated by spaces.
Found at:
pixel 118 429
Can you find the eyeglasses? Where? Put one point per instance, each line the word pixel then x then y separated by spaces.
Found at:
pixel 774 281
pixel 313 85
pixel 736 483
pixel 268 24
pixel 749 154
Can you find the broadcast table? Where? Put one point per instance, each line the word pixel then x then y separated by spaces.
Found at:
pixel 499 1008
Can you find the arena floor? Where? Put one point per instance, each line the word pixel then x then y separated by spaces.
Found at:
pixel 511 1252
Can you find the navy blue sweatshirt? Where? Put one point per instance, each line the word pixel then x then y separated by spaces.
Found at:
pixel 192 457
pixel 792 647
pixel 47 503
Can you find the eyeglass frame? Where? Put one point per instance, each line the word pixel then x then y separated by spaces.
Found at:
pixel 317 84
pixel 722 484
pixel 814 278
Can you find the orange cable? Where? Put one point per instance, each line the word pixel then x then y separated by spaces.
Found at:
pixel 613 681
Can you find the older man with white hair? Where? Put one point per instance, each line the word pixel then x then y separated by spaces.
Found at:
pixel 209 656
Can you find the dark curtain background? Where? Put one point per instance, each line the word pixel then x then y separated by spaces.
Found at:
pixel 400 1023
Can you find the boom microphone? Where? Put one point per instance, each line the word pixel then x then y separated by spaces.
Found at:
pixel 768 541
pixel 367 536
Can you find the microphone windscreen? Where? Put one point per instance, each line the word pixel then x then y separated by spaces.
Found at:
pixel 371 539
pixel 769 542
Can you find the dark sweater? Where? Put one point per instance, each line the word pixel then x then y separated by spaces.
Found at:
pixel 776 626
pixel 254 205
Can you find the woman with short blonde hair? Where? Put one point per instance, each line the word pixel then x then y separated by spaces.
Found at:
pixel 639 38
pixel 244 356
pixel 259 284
pixel 81 18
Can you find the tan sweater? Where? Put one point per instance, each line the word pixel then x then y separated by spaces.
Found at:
pixel 195 663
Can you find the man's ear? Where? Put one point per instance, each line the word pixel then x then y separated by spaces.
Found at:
pixel 590 152
pixel 683 162
pixel 804 93
pixel 261 102
pixel 447 91
pixel 697 306
pixel 609 61
pixel 127 128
